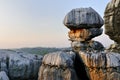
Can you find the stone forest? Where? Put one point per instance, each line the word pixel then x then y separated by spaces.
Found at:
pixel 86 60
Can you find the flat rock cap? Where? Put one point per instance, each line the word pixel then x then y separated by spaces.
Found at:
pixel 83 18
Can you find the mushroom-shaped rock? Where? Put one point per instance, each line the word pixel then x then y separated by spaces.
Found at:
pixel 83 18
pixel 112 20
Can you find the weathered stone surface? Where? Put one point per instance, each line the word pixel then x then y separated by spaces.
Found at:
pixel 102 65
pixel 79 35
pixel 87 46
pixel 84 34
pixel 58 66
pixel 112 20
pixel 83 18
pixel 20 65
pixel 3 76
pixel 114 48
pixel 94 32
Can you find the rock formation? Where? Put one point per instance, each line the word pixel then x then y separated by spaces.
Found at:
pixel 88 59
pixel 112 20
pixel 19 65
pixel 102 65
pixel 58 66
pixel 84 24
pixel 112 23
pixel 83 18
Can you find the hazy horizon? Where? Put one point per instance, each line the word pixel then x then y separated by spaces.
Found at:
pixel 38 23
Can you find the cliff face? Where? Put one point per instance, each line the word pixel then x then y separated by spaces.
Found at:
pixel 80 66
pixel 112 20
pixel 58 66
pixel 102 65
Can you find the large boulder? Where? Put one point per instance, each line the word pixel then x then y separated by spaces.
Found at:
pixel 94 65
pixel 3 76
pixel 20 65
pixel 83 18
pixel 112 20
pixel 58 66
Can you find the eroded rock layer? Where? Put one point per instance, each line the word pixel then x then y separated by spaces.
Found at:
pixel 102 65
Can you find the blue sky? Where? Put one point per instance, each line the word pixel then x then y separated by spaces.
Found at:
pixel 33 23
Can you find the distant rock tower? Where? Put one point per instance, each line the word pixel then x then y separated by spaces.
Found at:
pixel 84 24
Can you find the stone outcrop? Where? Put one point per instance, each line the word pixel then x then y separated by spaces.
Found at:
pixel 80 66
pixel 112 20
pixel 20 65
pixel 3 76
pixel 62 65
pixel 112 23
pixel 102 65
pixel 58 66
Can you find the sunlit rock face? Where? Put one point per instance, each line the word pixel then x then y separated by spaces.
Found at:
pixel 102 65
pixel 84 34
pixel 112 20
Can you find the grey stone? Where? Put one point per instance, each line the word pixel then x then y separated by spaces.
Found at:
pixel 83 18
pixel 87 46
pixel 94 32
pixel 112 20
pixel 58 66
pixel 3 76
pixel 20 65
pixel 102 65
